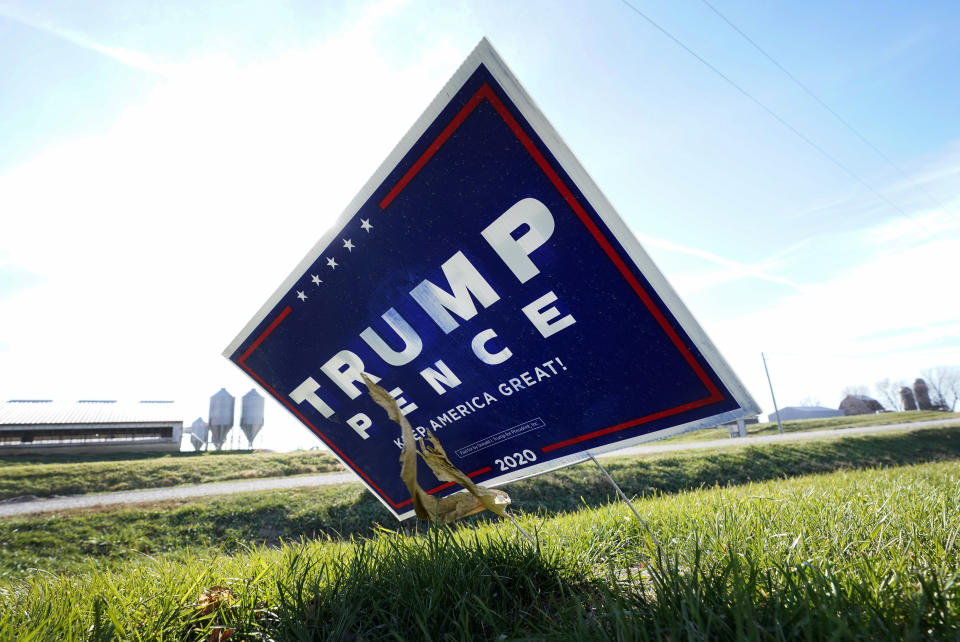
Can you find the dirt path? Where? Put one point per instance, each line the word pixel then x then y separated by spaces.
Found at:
pixel 53 504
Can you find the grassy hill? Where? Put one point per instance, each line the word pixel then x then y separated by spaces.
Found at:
pixel 824 423
pixel 854 554
pixel 45 477
pixel 845 538
pixel 74 541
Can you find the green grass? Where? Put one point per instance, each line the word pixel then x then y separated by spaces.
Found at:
pixel 7 459
pixel 49 475
pixel 111 474
pixel 100 538
pixel 825 423
pixel 848 555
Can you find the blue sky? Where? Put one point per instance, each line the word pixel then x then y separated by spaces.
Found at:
pixel 164 167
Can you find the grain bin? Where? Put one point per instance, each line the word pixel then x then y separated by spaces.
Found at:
pixel 198 433
pixel 922 394
pixel 221 417
pixel 251 415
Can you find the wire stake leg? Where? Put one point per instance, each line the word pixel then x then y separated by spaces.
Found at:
pixel 624 498
pixel 520 528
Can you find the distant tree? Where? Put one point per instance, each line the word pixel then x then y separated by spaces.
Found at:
pixel 943 383
pixel 810 402
pixel 855 391
pixel 888 393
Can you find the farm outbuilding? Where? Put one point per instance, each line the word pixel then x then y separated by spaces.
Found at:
pixel 791 413
pixel 90 426
pixel 860 405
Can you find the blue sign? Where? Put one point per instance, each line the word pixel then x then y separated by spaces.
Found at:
pixel 483 279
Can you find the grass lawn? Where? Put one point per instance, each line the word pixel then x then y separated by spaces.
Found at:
pixel 44 477
pixel 853 554
pixel 826 423
pixel 79 540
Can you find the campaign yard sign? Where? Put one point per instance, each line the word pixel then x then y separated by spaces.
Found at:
pixel 482 278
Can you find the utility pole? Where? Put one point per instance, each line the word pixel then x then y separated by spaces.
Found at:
pixel 772 396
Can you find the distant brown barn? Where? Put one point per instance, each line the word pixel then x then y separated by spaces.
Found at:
pixel 860 405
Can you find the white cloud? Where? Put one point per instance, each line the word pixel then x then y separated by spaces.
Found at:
pixel 918 227
pixel 890 315
pixel 158 240
pixel 933 176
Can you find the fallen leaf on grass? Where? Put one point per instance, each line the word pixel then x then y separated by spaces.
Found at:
pixel 220 634
pixel 211 599
pixel 207 609
pixel 473 500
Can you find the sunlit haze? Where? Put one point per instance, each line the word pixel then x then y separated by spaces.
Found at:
pixel 163 167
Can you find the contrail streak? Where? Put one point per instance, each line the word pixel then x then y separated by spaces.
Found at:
pixel 739 268
pixel 128 57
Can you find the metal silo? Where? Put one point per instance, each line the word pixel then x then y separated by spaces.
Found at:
pixel 221 417
pixel 198 433
pixel 251 415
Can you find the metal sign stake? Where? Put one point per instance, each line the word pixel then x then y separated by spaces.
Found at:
pixel 624 498
pixel 772 396
pixel 520 528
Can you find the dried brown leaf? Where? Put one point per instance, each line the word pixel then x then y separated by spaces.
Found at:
pixel 220 634
pixel 211 598
pixel 473 500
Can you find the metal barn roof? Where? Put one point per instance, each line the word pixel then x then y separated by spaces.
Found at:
pixel 23 412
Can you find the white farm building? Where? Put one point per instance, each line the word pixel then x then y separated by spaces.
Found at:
pixel 93 426
pixel 791 413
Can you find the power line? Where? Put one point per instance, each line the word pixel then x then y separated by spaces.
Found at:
pixel 775 116
pixel 823 104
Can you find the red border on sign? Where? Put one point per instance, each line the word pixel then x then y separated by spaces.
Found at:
pixel 486 93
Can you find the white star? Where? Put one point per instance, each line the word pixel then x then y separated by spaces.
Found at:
pixel 301 295
pixel 316 279
pixel 365 224
pixel 332 262
pixel 347 243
